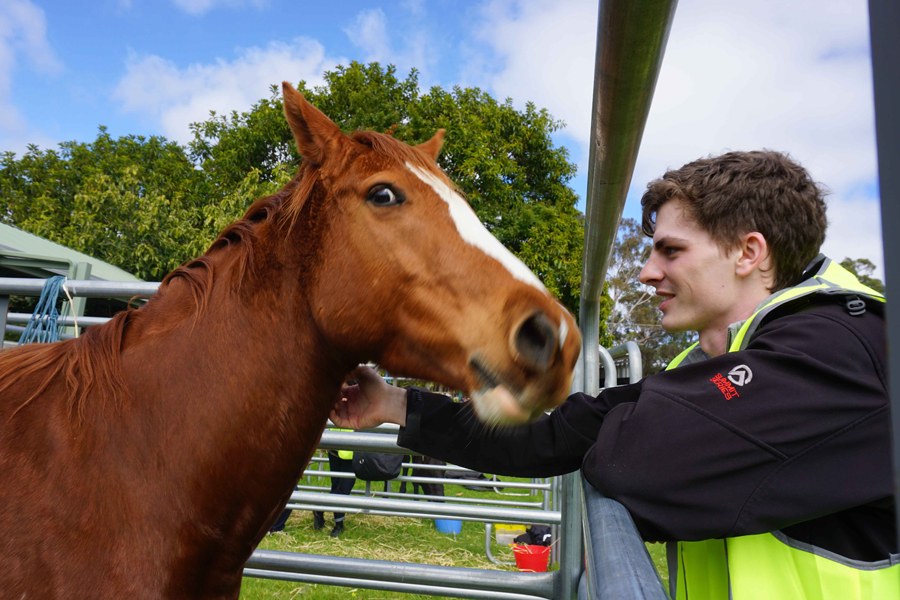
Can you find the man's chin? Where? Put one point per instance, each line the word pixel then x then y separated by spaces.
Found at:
pixel 671 324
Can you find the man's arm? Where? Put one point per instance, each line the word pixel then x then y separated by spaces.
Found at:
pixel 700 456
pixel 435 426
pixel 552 445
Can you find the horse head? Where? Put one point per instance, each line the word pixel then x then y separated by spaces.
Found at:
pixel 407 276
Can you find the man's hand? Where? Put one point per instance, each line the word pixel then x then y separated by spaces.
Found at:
pixel 369 403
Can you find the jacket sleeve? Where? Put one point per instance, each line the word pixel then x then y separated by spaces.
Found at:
pixel 552 445
pixel 790 429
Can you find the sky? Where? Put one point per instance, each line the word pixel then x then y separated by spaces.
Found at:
pixel 790 76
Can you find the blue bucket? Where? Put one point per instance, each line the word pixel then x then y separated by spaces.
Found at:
pixel 448 525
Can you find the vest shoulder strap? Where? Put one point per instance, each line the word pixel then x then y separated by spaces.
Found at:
pixel 829 279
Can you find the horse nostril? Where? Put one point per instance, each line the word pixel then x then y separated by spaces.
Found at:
pixel 535 341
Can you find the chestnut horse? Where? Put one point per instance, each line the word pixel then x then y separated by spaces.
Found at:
pixel 148 458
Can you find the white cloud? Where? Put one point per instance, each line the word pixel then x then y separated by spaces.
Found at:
pixel 371 33
pixel 543 52
pixel 199 7
pixel 791 76
pixel 23 31
pixel 174 97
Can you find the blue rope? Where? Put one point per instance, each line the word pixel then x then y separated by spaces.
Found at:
pixel 42 325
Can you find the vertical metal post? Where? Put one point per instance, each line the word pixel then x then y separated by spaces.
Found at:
pixel 884 23
pixel 631 41
pixel 571 562
pixel 4 308
pixel 590 329
pixel 635 362
pixel 610 373
pixel 78 271
pixel 555 529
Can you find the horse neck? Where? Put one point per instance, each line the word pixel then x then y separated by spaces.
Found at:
pixel 243 387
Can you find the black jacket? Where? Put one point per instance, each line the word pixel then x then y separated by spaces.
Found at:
pixel 802 446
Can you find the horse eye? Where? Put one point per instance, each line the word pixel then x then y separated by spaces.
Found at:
pixel 382 195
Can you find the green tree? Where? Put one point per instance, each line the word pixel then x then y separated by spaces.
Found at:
pixel 503 159
pixel 863 268
pixel 132 201
pixel 635 313
pixel 146 205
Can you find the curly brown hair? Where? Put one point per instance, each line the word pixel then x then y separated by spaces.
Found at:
pixel 740 192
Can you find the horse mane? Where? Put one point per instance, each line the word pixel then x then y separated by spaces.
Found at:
pixel 240 236
pixel 89 361
pixel 92 361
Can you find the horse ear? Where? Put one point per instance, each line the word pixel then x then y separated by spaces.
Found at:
pixel 316 135
pixel 433 146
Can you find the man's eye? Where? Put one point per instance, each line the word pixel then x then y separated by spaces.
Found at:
pixel 382 195
pixel 670 250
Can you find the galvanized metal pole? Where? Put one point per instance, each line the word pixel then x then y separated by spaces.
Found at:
pixel 4 308
pixel 884 23
pixel 631 40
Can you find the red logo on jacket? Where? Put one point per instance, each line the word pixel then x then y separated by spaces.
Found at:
pixel 725 386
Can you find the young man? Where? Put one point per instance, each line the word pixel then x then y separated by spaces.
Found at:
pixel 764 457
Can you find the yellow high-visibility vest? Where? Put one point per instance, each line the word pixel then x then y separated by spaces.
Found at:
pixel 345 454
pixel 772 566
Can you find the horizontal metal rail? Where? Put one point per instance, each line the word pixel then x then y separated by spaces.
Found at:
pixel 435 510
pixel 406 465
pixel 610 532
pixel 24 318
pixel 362 441
pixel 395 514
pixel 81 288
pixel 490 483
pixel 414 578
pixel 383 428
pixel 21 330
pixel 429 590
pixel 426 497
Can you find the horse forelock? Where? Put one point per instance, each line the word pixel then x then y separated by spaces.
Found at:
pixel 395 150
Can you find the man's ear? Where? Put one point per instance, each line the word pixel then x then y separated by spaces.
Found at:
pixel 754 254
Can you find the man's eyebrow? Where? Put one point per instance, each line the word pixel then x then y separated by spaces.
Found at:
pixel 665 241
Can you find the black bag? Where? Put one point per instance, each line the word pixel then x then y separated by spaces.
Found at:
pixel 372 466
pixel 537 535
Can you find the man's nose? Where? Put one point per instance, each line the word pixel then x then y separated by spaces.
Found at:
pixel 650 274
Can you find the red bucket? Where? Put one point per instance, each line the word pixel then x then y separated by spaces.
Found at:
pixel 532 559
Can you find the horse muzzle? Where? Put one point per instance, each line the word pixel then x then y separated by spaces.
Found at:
pixel 539 376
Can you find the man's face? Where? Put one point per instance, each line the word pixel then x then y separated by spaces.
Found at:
pixel 695 277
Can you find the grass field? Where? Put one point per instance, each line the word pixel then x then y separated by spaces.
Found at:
pixel 387 538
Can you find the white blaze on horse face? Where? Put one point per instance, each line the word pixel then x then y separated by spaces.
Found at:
pixel 473 232
pixel 563 332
